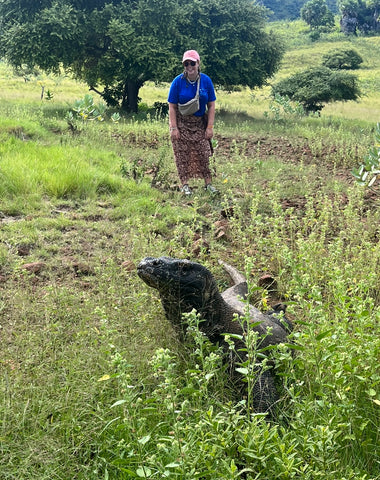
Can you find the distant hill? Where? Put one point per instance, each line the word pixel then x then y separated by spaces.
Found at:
pixel 290 9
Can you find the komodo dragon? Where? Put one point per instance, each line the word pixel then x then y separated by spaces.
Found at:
pixel 184 285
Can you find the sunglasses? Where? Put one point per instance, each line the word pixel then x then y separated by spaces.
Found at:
pixel 192 63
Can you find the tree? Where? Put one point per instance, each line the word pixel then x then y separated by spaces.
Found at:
pixel 113 47
pixel 284 9
pixel 230 37
pixel 290 9
pixel 316 14
pixel 359 15
pixel 318 85
pixel 117 45
pixel 342 59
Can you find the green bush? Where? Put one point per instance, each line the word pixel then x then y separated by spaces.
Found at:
pixel 318 85
pixel 342 59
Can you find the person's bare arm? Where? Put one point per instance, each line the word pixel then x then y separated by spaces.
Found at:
pixel 210 121
pixel 174 132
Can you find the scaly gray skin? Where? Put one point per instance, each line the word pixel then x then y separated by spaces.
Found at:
pixel 184 285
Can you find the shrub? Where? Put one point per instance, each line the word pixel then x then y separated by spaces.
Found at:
pixel 342 59
pixel 318 85
pixel 281 107
pixel 161 109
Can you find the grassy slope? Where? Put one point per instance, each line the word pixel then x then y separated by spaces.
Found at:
pixel 83 207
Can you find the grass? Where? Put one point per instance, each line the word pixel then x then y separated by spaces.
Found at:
pixel 94 383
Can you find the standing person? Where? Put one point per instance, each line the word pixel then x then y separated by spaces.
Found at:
pixel 191 131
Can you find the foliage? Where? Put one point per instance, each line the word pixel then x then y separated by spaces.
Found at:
pixel 316 86
pixel 290 9
pixel 27 73
pixel 173 429
pixel 115 47
pixel 356 15
pixel 100 44
pixel 281 10
pixel 161 109
pixel 232 41
pixel 369 170
pixel 49 95
pixel 316 14
pixel 87 111
pixel 281 108
pixel 342 59
pixel 362 15
pixel 154 167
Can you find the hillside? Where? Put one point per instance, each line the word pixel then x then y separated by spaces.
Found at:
pixel 290 9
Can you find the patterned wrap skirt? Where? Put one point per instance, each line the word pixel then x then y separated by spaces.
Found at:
pixel 192 151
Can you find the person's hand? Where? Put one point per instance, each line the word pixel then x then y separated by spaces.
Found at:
pixel 209 133
pixel 174 133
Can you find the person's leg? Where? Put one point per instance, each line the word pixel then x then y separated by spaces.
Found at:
pixel 207 180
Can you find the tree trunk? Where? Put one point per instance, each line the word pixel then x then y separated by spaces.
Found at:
pixel 348 25
pixel 130 95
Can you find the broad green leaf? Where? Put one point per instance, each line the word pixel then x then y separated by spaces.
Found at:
pixel 188 390
pixel 172 465
pixel 242 370
pixel 144 440
pixel 144 472
pixel 119 402
pixel 292 346
pixel 323 334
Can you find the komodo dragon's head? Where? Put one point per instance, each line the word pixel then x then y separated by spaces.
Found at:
pixel 183 283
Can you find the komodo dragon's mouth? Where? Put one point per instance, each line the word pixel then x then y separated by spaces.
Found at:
pixel 149 271
pixel 146 273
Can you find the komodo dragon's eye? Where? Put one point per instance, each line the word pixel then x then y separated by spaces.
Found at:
pixel 185 267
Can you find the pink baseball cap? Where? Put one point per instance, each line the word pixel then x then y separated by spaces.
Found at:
pixel 191 55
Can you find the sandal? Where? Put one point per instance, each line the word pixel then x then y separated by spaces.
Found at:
pixel 211 189
pixel 186 190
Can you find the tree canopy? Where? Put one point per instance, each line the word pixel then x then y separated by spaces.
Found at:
pixel 117 45
pixel 316 14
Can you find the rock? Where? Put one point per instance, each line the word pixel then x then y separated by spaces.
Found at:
pixel 34 267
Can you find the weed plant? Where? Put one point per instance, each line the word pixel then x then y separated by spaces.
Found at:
pixel 94 383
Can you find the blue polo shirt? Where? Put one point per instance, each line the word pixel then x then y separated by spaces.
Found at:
pixel 181 91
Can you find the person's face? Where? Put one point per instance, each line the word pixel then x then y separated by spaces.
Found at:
pixel 191 67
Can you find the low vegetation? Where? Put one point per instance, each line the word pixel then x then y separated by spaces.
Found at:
pixel 94 383
pixel 343 59
pixel 316 86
